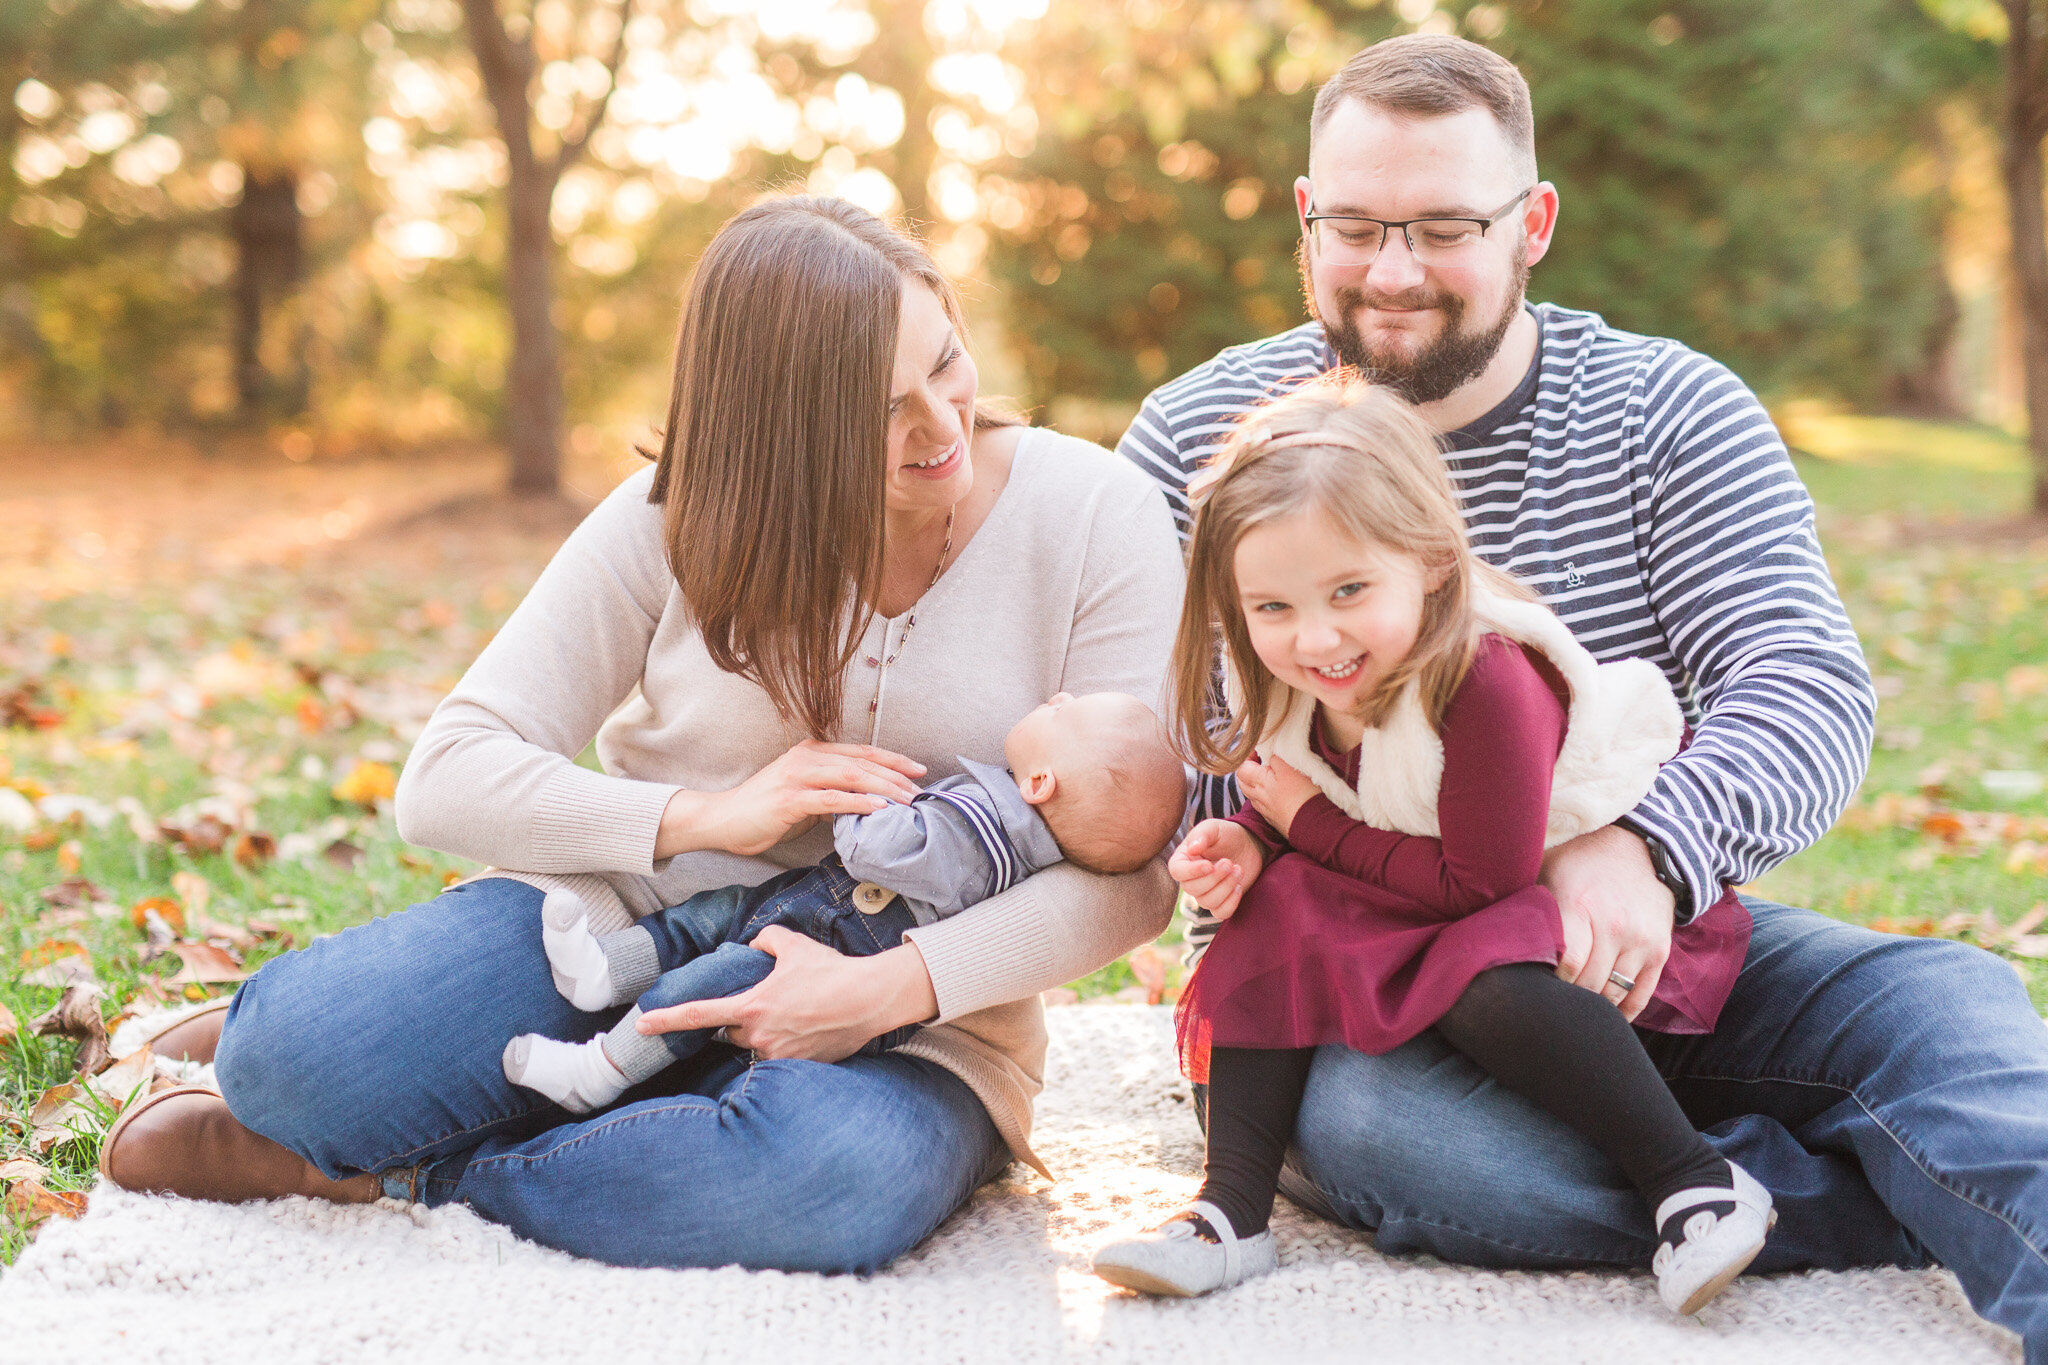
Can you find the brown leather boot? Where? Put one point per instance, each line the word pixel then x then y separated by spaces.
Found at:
pixel 195 1037
pixel 185 1142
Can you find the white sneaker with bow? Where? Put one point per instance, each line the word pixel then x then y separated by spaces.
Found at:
pixel 1175 1259
pixel 1706 1237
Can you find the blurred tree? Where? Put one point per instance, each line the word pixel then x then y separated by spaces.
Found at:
pixel 509 58
pixel 2025 125
pixel 1730 175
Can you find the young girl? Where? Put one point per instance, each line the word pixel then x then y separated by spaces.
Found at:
pixel 1424 731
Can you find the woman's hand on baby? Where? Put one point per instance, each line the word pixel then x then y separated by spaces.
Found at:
pixel 1215 863
pixel 1276 790
pixel 818 1004
pixel 810 781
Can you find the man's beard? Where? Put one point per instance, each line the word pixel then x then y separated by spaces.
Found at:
pixel 1441 366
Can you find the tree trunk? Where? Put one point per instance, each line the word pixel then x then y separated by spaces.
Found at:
pixel 2026 120
pixel 269 258
pixel 902 59
pixel 533 381
pixel 534 402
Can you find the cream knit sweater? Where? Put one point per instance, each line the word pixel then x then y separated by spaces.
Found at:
pixel 1072 584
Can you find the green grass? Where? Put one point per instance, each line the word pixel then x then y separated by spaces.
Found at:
pixel 189 690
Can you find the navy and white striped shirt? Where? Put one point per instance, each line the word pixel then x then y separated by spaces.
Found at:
pixel 1641 489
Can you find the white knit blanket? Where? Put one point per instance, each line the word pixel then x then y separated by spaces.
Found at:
pixel 1005 1280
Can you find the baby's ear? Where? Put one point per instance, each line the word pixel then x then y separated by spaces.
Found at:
pixel 1039 786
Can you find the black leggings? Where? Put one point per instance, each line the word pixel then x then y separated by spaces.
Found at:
pixel 1563 1047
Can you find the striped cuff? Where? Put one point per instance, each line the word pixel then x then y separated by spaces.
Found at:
pixel 1693 860
pixel 590 822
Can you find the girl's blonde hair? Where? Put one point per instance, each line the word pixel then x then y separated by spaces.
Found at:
pixel 1359 455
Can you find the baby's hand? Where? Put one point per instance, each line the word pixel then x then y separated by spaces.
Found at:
pixel 1215 863
pixel 1276 790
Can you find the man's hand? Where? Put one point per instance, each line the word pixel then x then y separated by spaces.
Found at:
pixel 1617 915
pixel 1276 790
pixel 1214 865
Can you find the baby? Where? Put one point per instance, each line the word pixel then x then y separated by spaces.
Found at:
pixel 1091 779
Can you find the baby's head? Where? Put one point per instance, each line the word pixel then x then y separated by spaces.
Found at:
pixel 1100 770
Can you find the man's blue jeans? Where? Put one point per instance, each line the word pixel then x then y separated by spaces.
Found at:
pixel 1890 1092
pixel 700 944
pixel 379 1050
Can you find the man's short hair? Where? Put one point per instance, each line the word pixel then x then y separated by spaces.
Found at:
pixel 1428 75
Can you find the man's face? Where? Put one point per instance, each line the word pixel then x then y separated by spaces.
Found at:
pixel 1423 330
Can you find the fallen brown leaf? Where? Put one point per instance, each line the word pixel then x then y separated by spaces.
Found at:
pixel 207 834
pixel 165 908
pixel 20 1168
pixel 126 1078
pixel 71 891
pixel 266 931
pixel 29 1201
pixel 60 1115
pixel 253 848
pixel 77 1015
pixel 194 890
pixel 344 855
pixel 205 963
pixel 235 934
pixel 9 1025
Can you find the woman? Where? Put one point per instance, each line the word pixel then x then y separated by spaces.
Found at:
pixel 837 578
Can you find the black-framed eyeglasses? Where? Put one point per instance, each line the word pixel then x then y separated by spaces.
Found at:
pixel 1343 239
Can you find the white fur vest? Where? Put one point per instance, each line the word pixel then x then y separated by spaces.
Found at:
pixel 1622 724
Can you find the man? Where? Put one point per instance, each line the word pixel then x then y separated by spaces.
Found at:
pixel 1891 1093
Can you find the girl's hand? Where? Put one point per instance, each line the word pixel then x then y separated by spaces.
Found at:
pixel 1276 790
pixel 811 780
pixel 818 1004
pixel 1215 863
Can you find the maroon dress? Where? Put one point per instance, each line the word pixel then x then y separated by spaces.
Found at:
pixel 1365 937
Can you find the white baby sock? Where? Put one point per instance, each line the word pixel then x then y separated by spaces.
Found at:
pixel 577 1076
pixel 582 972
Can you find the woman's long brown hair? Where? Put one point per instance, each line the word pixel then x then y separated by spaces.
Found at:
pixel 771 466
pixel 1357 454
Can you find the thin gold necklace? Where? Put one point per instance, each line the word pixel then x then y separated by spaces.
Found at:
pixel 909 624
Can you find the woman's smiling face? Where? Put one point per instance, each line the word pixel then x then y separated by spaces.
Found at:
pixel 1328 614
pixel 931 408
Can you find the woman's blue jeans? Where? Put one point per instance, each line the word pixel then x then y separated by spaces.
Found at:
pixel 379 1049
pixel 1890 1092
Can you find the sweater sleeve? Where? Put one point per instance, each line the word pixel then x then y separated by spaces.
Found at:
pixel 1501 733
pixel 493 776
pixel 1741 590
pixel 1064 922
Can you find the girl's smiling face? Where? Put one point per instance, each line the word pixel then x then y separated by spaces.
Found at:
pixel 1328 614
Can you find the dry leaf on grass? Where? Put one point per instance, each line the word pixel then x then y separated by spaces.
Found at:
pixel 205 834
pixel 71 891
pixel 64 1112
pixel 366 784
pixel 9 1025
pixel 29 1201
pixel 77 1015
pixel 165 909
pixel 56 962
pixel 125 1079
pixel 205 963
pixel 252 848
pixel 20 1168
pixel 194 890
pixel 344 855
